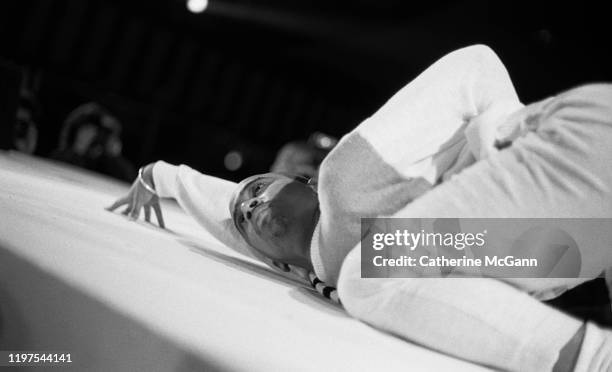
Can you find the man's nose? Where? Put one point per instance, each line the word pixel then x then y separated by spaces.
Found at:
pixel 247 207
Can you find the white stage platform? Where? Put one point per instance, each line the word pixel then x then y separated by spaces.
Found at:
pixel 127 296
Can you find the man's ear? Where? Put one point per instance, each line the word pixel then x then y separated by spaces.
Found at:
pixel 282 266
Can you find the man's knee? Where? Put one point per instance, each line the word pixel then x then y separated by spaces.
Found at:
pixel 362 295
pixel 352 289
pixel 351 286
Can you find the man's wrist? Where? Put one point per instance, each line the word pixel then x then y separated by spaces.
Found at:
pixel 147 175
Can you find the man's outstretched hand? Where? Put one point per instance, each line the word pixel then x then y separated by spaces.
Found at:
pixel 139 197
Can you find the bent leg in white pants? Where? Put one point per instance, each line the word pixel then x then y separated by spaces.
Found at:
pixel 561 169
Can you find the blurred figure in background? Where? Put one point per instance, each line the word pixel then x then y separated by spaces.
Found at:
pixel 25 132
pixel 90 138
pixel 29 111
pixel 303 158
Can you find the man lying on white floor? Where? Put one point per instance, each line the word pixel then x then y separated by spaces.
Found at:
pixel 454 142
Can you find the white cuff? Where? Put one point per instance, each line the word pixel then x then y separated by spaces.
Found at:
pixel 164 177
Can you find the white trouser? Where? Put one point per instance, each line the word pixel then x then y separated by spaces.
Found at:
pixel 562 168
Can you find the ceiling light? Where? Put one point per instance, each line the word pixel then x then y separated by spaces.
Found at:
pixel 197 6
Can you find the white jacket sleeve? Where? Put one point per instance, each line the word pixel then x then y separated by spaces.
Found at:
pixel 203 197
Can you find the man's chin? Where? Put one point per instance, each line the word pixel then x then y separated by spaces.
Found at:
pixel 277 227
pixel 268 224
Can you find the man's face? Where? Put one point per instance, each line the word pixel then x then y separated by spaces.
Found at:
pixel 276 215
pixel 84 138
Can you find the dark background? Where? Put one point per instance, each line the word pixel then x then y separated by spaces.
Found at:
pixel 250 75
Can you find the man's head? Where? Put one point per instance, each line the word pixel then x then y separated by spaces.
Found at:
pixel 276 214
